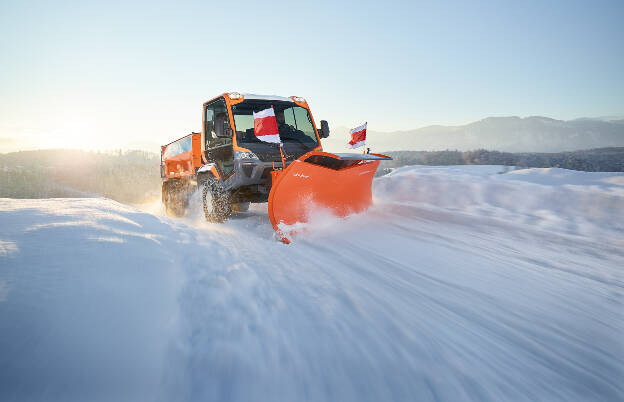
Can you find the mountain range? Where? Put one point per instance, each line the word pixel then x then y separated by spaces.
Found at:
pixel 508 134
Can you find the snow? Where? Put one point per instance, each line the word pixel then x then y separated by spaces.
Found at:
pixel 87 300
pixel 459 284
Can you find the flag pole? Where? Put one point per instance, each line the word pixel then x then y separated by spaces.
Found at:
pixel 366 124
pixel 280 143
pixel 282 154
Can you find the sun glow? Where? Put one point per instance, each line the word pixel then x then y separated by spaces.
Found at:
pixel 76 135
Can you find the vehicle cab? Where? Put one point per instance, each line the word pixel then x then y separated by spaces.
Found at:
pixel 242 161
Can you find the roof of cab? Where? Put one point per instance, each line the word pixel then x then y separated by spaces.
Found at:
pixel 256 97
pixel 267 97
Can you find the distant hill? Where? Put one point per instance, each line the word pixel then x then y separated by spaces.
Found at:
pixel 507 134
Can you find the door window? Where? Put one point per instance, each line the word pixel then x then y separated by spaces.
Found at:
pixel 218 149
pixel 214 112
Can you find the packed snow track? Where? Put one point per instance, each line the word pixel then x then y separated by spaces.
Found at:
pixel 459 284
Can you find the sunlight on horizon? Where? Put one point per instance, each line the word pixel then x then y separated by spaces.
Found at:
pixel 116 75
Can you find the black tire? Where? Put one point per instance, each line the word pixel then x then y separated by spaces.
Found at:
pixel 216 201
pixel 175 198
pixel 240 206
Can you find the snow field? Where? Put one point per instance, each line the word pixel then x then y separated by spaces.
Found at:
pixel 459 284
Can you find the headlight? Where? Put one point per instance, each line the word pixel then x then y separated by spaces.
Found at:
pixel 245 155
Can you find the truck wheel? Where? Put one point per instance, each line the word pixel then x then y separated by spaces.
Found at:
pixel 175 198
pixel 216 200
pixel 240 207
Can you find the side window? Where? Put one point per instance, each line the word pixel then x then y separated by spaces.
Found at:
pixel 209 122
pixel 214 112
pixel 218 149
pixel 186 144
pixel 178 147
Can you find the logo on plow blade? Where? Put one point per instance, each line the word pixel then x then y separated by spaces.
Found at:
pixel 301 175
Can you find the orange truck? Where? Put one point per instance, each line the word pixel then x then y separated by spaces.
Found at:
pixel 231 168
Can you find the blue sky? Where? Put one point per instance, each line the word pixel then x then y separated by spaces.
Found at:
pixel 96 74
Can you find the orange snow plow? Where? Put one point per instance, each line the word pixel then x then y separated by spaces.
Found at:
pixel 231 168
pixel 340 183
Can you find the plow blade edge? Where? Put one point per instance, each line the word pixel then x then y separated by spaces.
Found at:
pixel 340 183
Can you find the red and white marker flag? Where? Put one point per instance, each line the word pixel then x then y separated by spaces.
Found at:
pixel 358 136
pixel 265 126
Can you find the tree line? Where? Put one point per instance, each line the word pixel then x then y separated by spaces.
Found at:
pixel 130 176
pixel 134 176
pixel 592 160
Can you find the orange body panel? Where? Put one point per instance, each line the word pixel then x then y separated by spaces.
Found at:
pixel 304 187
pixel 179 165
pixel 215 172
pixel 184 163
pixel 196 150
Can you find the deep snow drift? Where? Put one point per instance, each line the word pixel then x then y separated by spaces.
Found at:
pixel 459 284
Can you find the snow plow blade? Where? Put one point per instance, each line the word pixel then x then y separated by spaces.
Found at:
pixel 340 183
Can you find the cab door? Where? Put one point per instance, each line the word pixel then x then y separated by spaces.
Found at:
pixel 218 146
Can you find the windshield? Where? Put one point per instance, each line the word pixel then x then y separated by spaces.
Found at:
pixel 293 122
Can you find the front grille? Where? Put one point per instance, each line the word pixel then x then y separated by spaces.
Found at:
pixel 269 156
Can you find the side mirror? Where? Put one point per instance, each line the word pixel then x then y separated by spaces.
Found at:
pixel 324 129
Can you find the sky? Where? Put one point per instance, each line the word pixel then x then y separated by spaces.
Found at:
pixel 109 75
